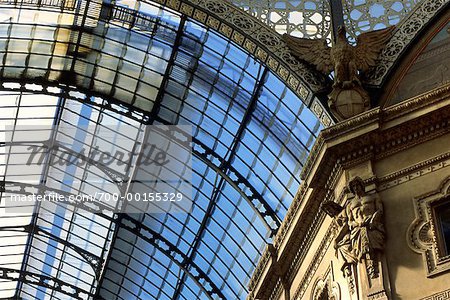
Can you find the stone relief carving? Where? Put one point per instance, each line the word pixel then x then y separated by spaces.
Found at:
pixel 359 240
pixel 348 97
pixel 422 235
pixel 365 220
pixel 342 241
pixel 326 288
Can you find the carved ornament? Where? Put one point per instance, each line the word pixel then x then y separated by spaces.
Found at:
pixel 422 233
pixel 326 288
pixel 348 97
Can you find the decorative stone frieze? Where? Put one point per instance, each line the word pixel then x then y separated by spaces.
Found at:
pixel 444 295
pixel 338 149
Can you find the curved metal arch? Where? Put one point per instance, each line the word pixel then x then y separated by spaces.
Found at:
pixel 44 281
pixel 254 199
pixel 406 32
pixel 171 251
pixel 266 46
pixel 133 226
pixel 262 42
pixel 257 38
pixel 254 37
pixel 93 260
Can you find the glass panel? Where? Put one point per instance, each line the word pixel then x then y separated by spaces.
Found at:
pixel 136 64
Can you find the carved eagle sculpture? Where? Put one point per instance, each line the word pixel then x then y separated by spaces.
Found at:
pixel 346 60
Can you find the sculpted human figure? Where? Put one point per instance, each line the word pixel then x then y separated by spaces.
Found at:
pixel 342 241
pixel 343 247
pixel 365 221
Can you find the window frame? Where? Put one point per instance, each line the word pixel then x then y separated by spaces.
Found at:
pixel 441 245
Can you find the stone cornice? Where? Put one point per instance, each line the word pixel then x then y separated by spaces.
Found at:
pixel 424 100
pixel 377 131
pixel 373 116
pixel 415 171
pixel 263 265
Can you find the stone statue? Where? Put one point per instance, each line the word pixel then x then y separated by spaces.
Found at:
pixel 365 221
pixel 359 239
pixel 342 241
pixel 347 97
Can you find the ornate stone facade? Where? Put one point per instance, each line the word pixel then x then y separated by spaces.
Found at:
pixel 422 233
pixel 400 152
pixel 326 288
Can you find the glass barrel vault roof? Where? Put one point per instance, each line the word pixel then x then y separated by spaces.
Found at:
pixel 119 67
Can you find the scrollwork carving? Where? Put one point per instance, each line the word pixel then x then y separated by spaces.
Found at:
pixel 422 236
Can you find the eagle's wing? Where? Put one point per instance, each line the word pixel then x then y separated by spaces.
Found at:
pixel 315 52
pixel 369 45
